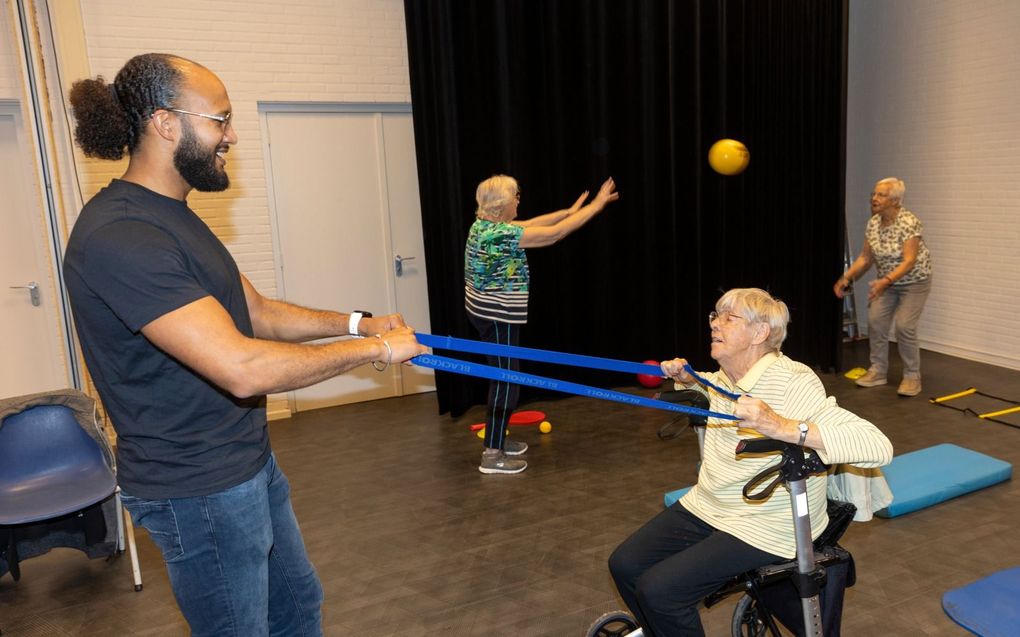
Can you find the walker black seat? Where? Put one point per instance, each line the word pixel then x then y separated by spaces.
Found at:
pixel 827 553
pixel 807 599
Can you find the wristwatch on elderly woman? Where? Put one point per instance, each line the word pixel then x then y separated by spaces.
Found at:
pixel 803 428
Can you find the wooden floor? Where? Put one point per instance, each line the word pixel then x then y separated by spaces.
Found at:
pixel 410 539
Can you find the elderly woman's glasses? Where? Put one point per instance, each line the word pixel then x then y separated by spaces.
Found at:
pixel 725 317
pixel 224 120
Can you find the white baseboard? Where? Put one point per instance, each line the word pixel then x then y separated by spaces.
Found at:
pixel 278 412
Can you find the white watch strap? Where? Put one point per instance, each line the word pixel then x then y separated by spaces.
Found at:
pixel 352 323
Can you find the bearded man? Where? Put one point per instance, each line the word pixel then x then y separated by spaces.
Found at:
pixel 183 350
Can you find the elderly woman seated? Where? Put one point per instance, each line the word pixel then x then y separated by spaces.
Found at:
pixel 712 533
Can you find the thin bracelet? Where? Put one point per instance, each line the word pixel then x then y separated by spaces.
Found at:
pixel 889 279
pixel 389 357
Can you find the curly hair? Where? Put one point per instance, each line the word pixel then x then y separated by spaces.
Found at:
pixel 110 118
pixel 494 194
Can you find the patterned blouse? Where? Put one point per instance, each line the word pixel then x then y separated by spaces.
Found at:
pixel 496 275
pixel 887 246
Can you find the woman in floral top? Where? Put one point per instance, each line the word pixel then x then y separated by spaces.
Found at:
pixel 894 243
pixel 496 282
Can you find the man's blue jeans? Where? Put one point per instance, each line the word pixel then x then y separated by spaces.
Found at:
pixel 236 559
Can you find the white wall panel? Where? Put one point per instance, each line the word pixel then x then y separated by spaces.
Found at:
pixel 932 98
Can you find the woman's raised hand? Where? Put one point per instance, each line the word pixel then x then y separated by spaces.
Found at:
pixel 607 193
pixel 675 369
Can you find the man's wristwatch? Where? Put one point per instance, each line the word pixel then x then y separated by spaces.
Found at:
pixel 803 427
pixel 355 318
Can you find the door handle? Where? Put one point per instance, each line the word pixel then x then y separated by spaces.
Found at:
pixel 398 264
pixel 33 291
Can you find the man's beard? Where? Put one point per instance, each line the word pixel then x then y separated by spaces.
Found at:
pixel 197 165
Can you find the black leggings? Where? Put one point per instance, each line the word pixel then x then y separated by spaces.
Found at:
pixel 503 396
pixel 669 565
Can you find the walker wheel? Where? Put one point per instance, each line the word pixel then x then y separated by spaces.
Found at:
pixel 747 620
pixel 613 624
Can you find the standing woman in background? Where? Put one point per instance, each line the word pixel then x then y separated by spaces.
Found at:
pixel 496 281
pixel 893 242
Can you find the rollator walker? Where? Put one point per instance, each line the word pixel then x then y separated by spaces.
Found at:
pixel 754 615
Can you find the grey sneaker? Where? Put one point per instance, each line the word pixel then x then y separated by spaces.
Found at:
pixel 872 379
pixel 500 463
pixel 514 447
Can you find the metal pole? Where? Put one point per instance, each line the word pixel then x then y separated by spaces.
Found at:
pixel 805 557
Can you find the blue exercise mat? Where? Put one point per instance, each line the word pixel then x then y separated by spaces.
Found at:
pixel 929 476
pixel 987 607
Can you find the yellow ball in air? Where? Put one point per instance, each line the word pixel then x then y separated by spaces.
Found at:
pixel 728 157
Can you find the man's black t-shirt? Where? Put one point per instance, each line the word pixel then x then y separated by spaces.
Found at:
pixel 133 256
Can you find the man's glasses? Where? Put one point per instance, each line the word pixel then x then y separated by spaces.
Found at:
pixel 224 120
pixel 725 316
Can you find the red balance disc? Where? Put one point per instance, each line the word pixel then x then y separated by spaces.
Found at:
pixel 519 419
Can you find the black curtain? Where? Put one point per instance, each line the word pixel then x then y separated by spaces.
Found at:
pixel 561 94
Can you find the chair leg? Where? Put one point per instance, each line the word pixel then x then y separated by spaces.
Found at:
pixel 124 523
pixel 120 521
pixel 133 550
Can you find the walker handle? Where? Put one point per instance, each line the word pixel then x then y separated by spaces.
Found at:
pixel 794 464
pixel 691 397
pixel 761 445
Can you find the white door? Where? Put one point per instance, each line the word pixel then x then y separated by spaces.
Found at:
pixel 345 204
pixel 32 357
pixel 406 243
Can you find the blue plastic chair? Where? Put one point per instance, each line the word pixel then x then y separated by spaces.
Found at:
pixel 50 466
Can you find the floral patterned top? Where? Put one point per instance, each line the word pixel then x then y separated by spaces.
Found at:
pixel 496 275
pixel 887 246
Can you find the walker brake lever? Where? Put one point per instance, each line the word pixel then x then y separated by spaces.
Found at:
pixel 764 445
pixel 794 465
pixel 767 491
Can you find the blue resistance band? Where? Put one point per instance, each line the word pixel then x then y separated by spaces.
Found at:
pixel 560 358
pixel 708 383
pixel 445 364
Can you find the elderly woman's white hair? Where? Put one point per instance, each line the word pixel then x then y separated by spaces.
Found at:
pixel 758 306
pixel 494 194
pixel 896 187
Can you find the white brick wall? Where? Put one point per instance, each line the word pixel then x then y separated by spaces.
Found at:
pixel 300 51
pixel 933 98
